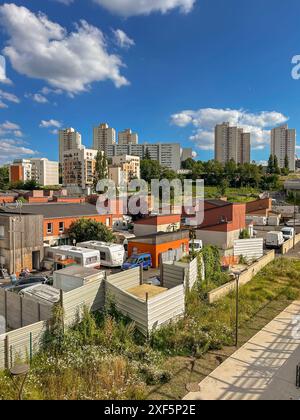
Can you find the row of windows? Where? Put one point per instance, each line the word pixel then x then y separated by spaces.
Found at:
pixel 61 227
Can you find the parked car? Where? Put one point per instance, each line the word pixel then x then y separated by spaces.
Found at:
pixel 274 240
pixel 23 283
pixel 196 245
pixel 288 233
pixel 137 260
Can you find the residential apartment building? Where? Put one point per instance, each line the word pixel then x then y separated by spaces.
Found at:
pixel 232 143
pixel 103 136
pixel 124 168
pixel 186 153
pixel 79 168
pixel 283 144
pixel 167 154
pixel 69 139
pixel 128 137
pixel 43 171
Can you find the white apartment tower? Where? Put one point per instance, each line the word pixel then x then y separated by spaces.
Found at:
pixel 69 139
pixel 103 137
pixel 232 143
pixel 283 144
pixel 127 137
pixel 41 170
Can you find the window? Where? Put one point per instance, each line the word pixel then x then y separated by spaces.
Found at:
pixel 91 260
pixel 61 227
pixel 103 256
pixel 49 228
pixel 2 232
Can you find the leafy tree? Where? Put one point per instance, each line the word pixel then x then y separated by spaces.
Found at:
pixel 150 169
pixel 101 168
pixel 270 169
pixel 244 234
pixel 147 155
pixel 188 164
pixel 276 166
pixel 4 178
pixel 90 230
pixel 286 169
pixel 223 187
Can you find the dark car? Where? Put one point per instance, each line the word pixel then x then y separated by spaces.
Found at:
pixel 23 283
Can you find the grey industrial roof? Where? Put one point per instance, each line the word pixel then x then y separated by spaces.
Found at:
pixel 51 211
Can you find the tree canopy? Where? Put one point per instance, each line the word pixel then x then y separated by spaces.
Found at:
pixel 90 230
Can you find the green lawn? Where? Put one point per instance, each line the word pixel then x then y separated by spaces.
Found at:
pixel 238 195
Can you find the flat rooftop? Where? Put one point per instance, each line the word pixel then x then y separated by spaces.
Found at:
pixel 57 210
pixel 78 271
pixel 141 291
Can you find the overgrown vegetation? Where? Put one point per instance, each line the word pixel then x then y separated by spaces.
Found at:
pixel 105 357
pixel 210 327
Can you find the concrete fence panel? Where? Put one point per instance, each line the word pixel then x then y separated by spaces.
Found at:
pixel 245 278
pixel 288 245
pixel 173 275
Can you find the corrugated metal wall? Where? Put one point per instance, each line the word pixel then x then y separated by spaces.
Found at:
pixel 91 296
pixel 250 249
pixel 174 274
pixel 165 307
pixel 17 345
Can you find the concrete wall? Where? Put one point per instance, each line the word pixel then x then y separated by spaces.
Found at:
pixel 223 240
pixel 245 278
pixel 142 230
pixel 288 245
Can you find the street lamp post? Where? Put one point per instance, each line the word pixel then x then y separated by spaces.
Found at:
pixel 237 275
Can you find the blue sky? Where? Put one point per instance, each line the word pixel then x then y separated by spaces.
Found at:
pixel 172 72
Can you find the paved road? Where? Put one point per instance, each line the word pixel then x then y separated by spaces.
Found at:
pixel 263 369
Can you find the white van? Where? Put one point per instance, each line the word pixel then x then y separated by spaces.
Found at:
pixel 274 240
pixel 196 245
pixel 288 233
pixel 89 258
pixel 111 255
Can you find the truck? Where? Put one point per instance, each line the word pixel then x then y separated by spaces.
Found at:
pixel 274 240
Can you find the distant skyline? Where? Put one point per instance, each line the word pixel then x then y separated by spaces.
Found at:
pixel 168 69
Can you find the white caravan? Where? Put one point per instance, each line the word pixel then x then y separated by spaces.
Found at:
pixel 111 255
pixel 89 258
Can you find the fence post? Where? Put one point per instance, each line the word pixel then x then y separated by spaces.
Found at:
pixel 161 275
pixel 141 274
pixel 21 311
pixel 5 310
pixel 30 347
pixel 6 352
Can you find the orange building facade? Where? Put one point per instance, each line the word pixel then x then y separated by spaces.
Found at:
pixel 159 244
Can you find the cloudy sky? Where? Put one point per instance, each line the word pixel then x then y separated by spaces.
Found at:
pixel 169 69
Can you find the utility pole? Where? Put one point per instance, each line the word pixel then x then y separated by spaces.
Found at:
pixel 294 238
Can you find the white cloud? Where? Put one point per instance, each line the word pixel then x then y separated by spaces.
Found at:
pixel 37 97
pixel 11 146
pixel 7 97
pixel 144 7
pixel 122 39
pixel 50 124
pixel 204 122
pixel 42 49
